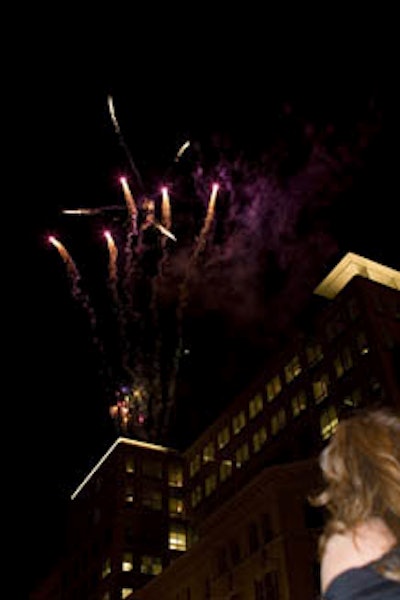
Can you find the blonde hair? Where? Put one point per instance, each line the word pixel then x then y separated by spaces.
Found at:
pixel 361 470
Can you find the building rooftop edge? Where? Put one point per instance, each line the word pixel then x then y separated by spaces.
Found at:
pixel 350 266
pixel 119 440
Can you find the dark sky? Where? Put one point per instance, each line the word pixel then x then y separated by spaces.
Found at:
pixel 299 131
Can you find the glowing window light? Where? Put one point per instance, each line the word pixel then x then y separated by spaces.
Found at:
pixel 127 561
pixel 177 540
pixel 328 422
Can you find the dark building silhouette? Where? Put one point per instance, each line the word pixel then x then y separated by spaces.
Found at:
pixel 228 517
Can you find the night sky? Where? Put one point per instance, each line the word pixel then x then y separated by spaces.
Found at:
pixel 299 134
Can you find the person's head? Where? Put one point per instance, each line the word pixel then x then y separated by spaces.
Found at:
pixel 361 469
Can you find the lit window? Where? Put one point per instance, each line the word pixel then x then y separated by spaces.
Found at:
pixel 225 470
pixel 255 405
pixel 150 565
pixel 242 455
pixel 106 569
pixel 209 452
pixel 239 421
pixel 125 592
pixel 223 437
pixel 292 369
pixel 339 368
pixel 152 468
pixel 347 358
pixel 278 421
pixel 375 384
pixel 273 387
pixel 354 399
pixel 175 475
pixel 127 561
pixel 314 353
pixel 321 388
pixel 259 439
pixel 177 538
pixel 175 506
pixel 362 343
pixel 299 403
pixel 196 496
pixel 194 465
pixel 210 484
pixel 152 498
pixel 328 422
pixel 129 494
pixel 130 464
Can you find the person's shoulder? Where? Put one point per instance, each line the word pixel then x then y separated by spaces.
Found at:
pixel 339 555
pixel 353 549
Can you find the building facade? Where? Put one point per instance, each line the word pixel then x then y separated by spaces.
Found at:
pixel 260 544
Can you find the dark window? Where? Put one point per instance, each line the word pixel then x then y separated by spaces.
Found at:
pixel 266 528
pixel 234 549
pixel 222 563
pixel 267 588
pixel 253 538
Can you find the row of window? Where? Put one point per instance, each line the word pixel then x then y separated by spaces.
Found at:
pixel 265 588
pixel 342 362
pixel 149 565
pixel 152 468
pixel 228 555
pixel 152 497
pixel 328 422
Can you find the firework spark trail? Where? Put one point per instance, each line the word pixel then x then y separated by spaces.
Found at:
pixel 130 203
pixel 131 235
pixel 164 228
pixel 112 266
pixel 72 269
pixel 165 232
pixel 181 150
pixel 117 129
pixel 77 293
pixel 198 248
pixel 184 291
pixel 113 281
pixel 165 208
pixel 207 223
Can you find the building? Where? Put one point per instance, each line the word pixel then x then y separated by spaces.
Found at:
pixel 127 523
pixel 228 518
pixel 346 355
pixel 261 543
